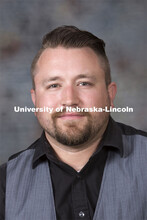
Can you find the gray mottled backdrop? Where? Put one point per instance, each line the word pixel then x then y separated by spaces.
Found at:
pixel 122 25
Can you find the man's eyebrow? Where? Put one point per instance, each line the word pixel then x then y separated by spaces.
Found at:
pixel 50 79
pixel 89 76
pixel 80 76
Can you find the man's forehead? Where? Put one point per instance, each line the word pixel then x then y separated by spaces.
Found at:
pixel 53 63
pixel 81 56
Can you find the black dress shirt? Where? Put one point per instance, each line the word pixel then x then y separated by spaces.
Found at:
pixel 75 193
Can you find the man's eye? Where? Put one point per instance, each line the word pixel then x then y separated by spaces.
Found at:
pixel 84 84
pixel 53 86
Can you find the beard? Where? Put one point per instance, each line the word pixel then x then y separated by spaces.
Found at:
pixel 75 132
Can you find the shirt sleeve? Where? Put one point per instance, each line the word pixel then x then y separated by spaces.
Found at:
pixel 2 190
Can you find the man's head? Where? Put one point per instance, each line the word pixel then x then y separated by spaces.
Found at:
pixel 72 37
pixel 71 76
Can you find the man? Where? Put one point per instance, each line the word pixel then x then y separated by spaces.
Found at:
pixel 85 165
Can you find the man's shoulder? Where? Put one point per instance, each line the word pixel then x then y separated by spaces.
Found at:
pixel 131 131
pixel 31 147
pixel 134 140
pixel 3 166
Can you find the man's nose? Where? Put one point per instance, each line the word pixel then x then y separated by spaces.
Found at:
pixel 70 96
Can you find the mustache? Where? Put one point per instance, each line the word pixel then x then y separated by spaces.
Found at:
pixel 60 114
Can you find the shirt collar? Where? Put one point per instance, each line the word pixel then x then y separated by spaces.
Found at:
pixel 112 138
pixel 40 150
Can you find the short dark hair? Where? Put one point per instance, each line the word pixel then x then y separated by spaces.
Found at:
pixel 72 37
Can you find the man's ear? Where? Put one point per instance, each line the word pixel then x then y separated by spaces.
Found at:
pixel 112 89
pixel 33 96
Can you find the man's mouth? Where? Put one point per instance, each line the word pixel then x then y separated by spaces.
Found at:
pixel 71 116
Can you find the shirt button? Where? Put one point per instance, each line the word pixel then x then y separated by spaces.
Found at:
pixel 81 214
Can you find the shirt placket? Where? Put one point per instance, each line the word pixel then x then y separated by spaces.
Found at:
pixel 79 199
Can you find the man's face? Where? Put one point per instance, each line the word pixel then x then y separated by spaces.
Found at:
pixel 69 78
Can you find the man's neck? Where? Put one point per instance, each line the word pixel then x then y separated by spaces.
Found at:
pixel 77 158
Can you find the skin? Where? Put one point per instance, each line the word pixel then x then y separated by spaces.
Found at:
pixel 72 77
